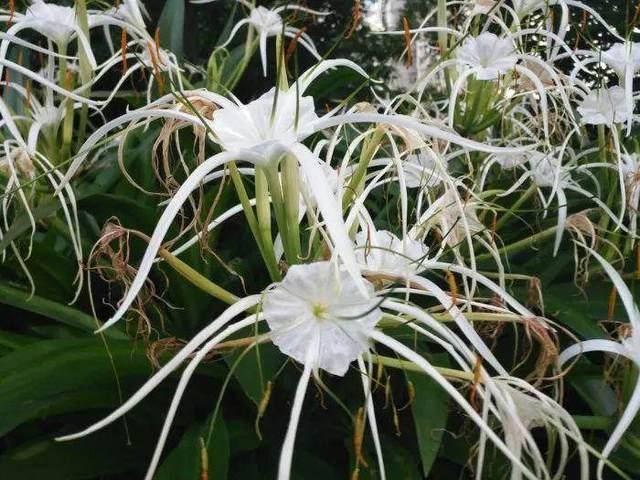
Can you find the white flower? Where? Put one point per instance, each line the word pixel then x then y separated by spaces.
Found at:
pixel 622 56
pixel 451 218
pixel 630 165
pixel 266 21
pixel 629 348
pixel 605 107
pixel 54 21
pixel 265 127
pixel 421 171
pixel 544 168
pixel 491 55
pixel 130 12
pixel 525 7
pixel 482 6
pixel 510 160
pixel 316 306
pixel 379 250
pixel 269 23
pixel 523 408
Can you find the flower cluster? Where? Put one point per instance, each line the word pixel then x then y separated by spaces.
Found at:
pixel 382 227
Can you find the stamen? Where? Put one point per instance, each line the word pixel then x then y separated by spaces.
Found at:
pixel 12 10
pixel 262 407
pixel 123 47
pixel 358 435
pixel 453 286
pixel 407 41
pixel 156 70
pixel 293 44
pixel 204 461
pixel 156 38
pixel 356 16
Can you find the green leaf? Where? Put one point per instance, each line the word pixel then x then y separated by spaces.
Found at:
pixel 95 456
pixel 266 358
pixel 185 462
pixel 53 310
pixel 430 409
pixel 171 26
pixel 55 376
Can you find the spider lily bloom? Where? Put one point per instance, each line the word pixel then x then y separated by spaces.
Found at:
pixel 482 6
pixel 624 58
pixel 455 219
pixel 488 55
pixel 631 172
pixel 547 171
pixel 378 250
pixel 321 317
pixel 247 133
pixel 609 107
pixel 57 23
pixel 520 408
pixel 268 23
pixel 605 106
pixel 19 164
pixel 628 348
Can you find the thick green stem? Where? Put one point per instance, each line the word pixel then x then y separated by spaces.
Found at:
pixel 197 279
pixel 277 200
pixel 291 193
pixel 516 205
pixel 412 367
pixel 593 422
pixel 366 155
pixel 520 245
pixel 267 255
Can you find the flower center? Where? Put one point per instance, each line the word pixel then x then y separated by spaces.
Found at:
pixel 319 311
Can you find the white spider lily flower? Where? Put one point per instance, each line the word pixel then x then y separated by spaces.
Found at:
pixel 421 171
pixel 56 22
pixel 628 347
pixel 526 7
pixel 482 6
pixel 544 169
pixel 622 57
pixel 131 12
pixel 261 144
pixel 522 408
pixel 268 23
pixel 490 55
pixel 18 162
pixel 378 250
pixel 605 106
pixel 319 307
pixel 264 126
pixel 453 222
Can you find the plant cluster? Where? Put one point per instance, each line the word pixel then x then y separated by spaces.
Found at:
pixel 427 246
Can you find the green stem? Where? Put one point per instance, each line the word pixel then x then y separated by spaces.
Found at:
pixel 516 205
pixel 593 422
pixel 267 254
pixel 368 151
pixel 412 367
pixel 520 245
pixel 197 279
pixel 275 190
